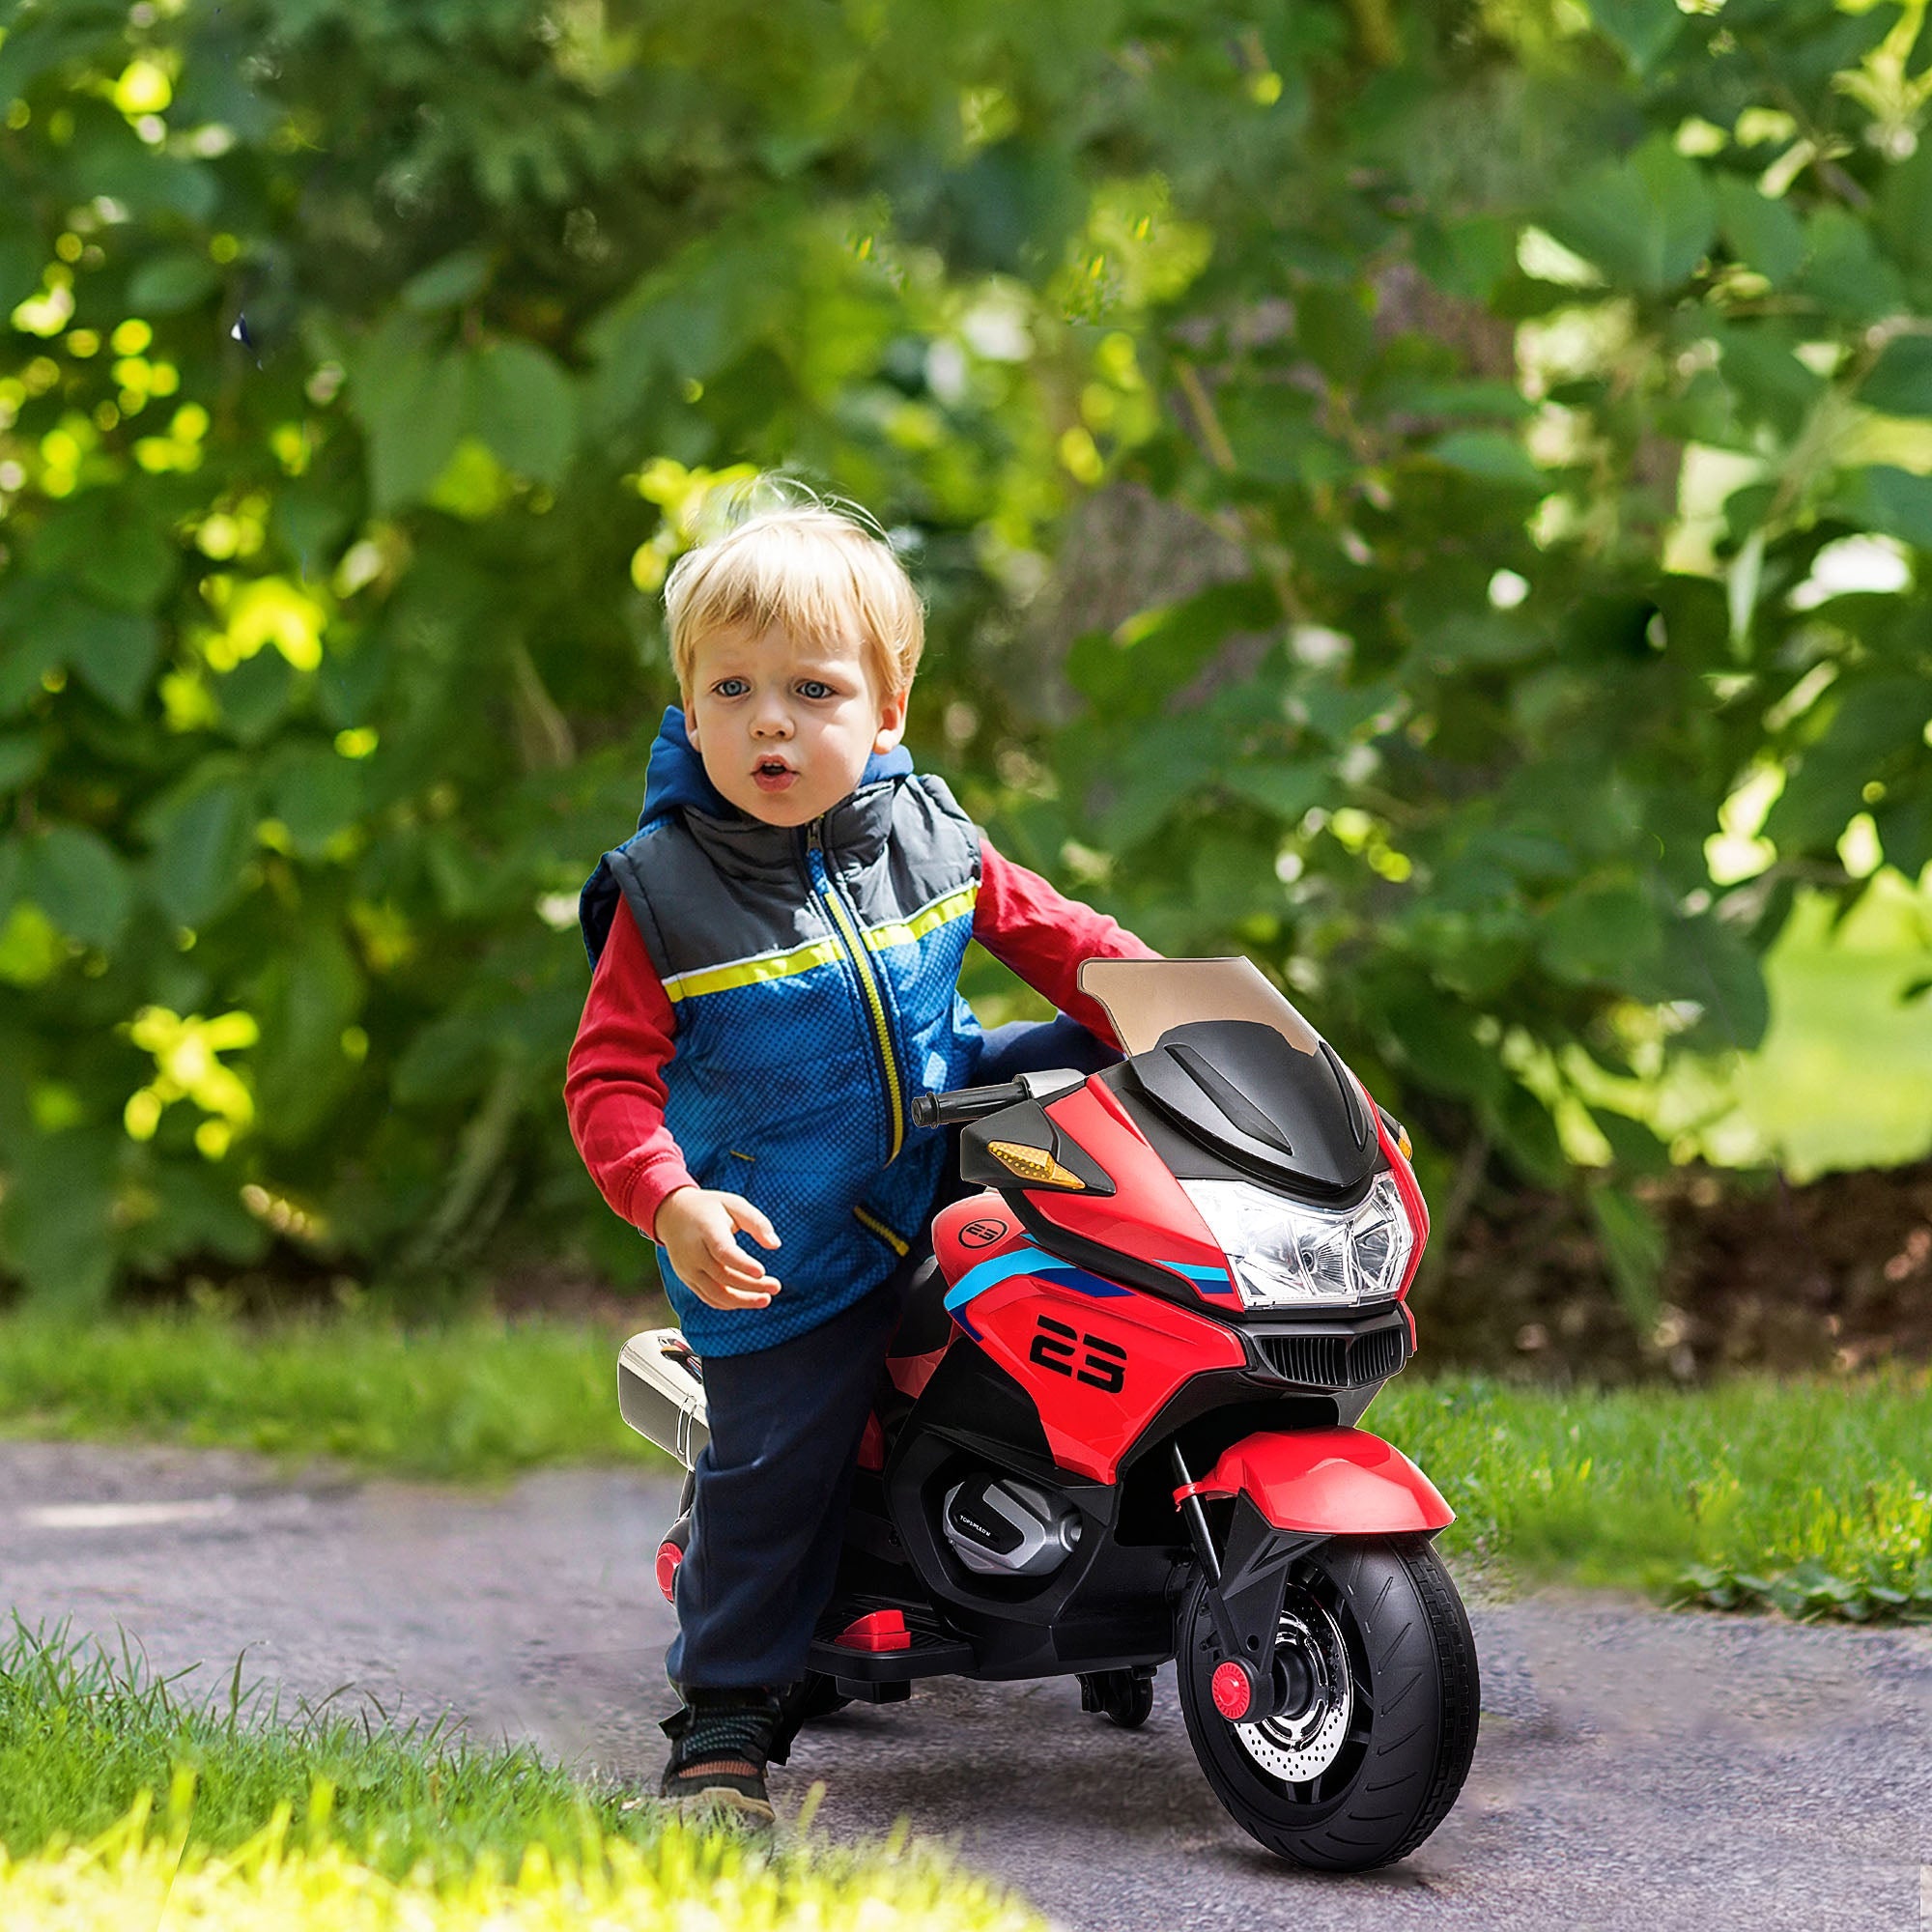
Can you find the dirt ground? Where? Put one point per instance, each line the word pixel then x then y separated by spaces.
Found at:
pixel 1635 1770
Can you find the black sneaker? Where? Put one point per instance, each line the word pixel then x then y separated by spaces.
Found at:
pixel 719 1744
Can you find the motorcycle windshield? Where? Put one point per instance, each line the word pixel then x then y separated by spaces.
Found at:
pixel 1145 998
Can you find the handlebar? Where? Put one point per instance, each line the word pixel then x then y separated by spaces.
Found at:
pixel 964 1103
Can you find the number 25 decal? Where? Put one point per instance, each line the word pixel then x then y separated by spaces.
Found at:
pixel 1102 1365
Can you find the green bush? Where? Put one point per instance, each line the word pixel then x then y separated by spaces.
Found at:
pixel 1467 449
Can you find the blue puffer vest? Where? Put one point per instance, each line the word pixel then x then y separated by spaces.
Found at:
pixel 815 977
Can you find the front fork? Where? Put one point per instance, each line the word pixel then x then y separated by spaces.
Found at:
pixel 1244 1584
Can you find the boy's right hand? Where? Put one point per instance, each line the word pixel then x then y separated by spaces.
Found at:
pixel 697 1228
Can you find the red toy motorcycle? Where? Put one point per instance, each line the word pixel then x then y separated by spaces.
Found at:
pixel 1118 1424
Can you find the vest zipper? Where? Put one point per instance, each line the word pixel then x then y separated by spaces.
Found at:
pixel 855 946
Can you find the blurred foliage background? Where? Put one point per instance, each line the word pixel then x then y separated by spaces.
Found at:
pixel 1433 496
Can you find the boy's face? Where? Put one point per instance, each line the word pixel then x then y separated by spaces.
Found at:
pixel 785 727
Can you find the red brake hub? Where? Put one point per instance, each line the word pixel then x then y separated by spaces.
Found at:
pixel 669 1557
pixel 1232 1687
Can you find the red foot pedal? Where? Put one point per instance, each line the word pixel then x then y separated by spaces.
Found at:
pixel 669 1557
pixel 877 1630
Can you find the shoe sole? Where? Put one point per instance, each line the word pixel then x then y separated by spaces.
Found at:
pixel 712 1798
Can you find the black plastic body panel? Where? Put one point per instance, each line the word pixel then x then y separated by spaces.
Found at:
pixel 1027 1125
pixel 1239 1087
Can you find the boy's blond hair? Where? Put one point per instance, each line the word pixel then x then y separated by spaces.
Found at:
pixel 805 569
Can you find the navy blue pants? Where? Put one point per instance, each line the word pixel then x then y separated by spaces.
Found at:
pixel 774 1482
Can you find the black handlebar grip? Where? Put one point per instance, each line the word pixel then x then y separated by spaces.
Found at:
pixel 964 1103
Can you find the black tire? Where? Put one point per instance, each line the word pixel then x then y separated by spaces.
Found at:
pixel 1400 1733
pixel 1124 1698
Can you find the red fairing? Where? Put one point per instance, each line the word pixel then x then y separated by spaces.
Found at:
pixel 1338 1481
pixel 1099 1366
pixel 1150 1216
pixel 978 1229
pixel 1412 1202
pixel 872 1445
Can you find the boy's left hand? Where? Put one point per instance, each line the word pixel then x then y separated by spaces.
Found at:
pixel 697 1229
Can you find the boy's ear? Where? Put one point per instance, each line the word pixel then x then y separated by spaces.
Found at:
pixel 892 720
pixel 690 722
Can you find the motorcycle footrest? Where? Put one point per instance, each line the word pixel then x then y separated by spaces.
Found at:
pixel 875 1642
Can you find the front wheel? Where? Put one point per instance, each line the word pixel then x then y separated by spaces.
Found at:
pixel 1376 1698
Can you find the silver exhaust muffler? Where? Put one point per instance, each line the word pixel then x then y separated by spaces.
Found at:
pixel 660 1393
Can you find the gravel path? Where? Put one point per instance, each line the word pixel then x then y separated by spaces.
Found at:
pixel 1635 1770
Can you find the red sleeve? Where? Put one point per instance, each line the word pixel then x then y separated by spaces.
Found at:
pixel 613 1089
pixel 1043 936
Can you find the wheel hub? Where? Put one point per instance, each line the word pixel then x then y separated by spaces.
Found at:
pixel 1314 1696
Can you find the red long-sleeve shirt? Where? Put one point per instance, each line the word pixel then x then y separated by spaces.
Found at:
pixel 613 1088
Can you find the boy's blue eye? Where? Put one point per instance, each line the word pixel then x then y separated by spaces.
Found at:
pixel 730 686
pixel 812 687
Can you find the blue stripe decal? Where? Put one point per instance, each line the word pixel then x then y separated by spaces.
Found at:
pixel 1195 1271
pixel 976 1281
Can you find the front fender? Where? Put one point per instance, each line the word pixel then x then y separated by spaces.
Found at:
pixel 1335 1482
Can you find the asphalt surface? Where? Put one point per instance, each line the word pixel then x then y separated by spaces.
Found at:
pixel 1635 1770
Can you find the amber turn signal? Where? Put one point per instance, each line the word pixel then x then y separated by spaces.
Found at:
pixel 1033 1164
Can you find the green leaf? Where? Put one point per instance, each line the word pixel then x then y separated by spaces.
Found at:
pixel 1286 789
pixel 21 259
pixel 110 542
pixel 1900 383
pixel 1846 272
pixel 50 623
pixel 1640 29
pixel 448 283
pixel 1600 934
pixel 316 794
pixel 203 836
pixel 306 999
pixel 1633 1246
pixel 168 284
pixel 1763 233
pixel 1127 671
pixel 79 880
pixel 20 757
pixel 1635 1249
pixel 56 1219
pixel 523 405
pixel 1490 456
pixel 1890 501
pixel 1646 221
pixel 1708 961
pixel 411 399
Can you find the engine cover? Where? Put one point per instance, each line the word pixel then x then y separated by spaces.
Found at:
pixel 999 1527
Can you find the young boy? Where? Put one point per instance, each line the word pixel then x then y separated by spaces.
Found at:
pixel 775 959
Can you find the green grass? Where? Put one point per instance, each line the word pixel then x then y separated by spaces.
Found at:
pixel 1812 1494
pixel 474 1399
pixel 120 1789
pixel 84 1733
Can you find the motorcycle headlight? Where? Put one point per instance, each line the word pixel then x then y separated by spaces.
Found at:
pixel 1284 1252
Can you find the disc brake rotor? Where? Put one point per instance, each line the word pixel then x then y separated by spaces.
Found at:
pixel 1304 1743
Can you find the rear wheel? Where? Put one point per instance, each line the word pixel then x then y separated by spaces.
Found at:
pixel 1124 1698
pixel 1375 1689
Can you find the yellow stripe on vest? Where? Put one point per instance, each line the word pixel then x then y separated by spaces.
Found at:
pixel 874 1225
pixel 819 952
pixel 928 919
pixel 749 972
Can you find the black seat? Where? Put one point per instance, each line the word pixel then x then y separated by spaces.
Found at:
pixel 924 1324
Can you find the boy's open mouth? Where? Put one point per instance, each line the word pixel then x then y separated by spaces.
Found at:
pixel 772 775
